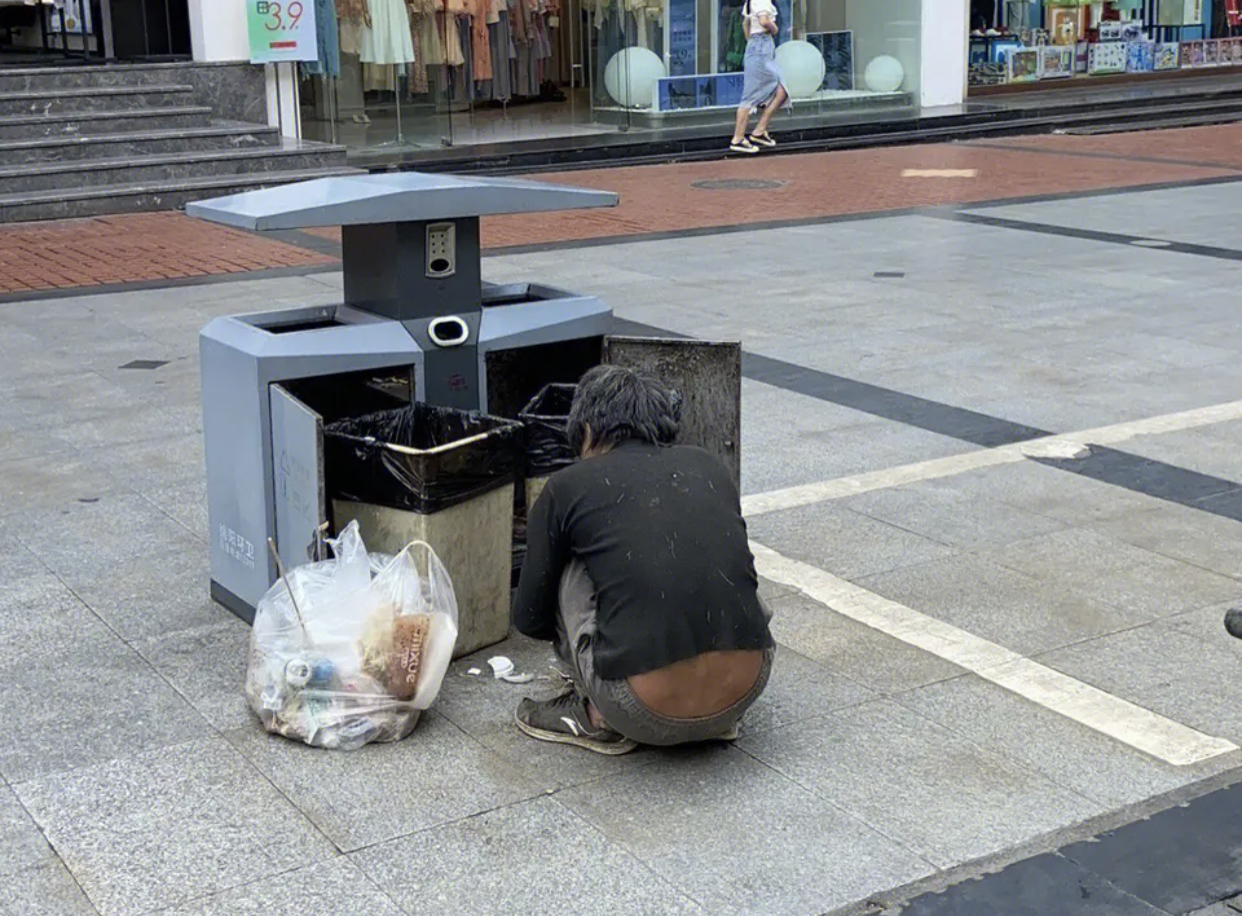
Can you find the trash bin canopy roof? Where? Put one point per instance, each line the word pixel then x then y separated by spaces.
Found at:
pixel 393 197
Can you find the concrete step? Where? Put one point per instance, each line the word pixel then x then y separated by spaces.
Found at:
pixel 221 135
pixel 157 195
pixel 110 98
pixel 93 123
pixel 28 79
pixel 1167 122
pixel 144 170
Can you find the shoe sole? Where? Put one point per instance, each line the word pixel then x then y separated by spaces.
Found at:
pixel 743 151
pixel 612 749
pixel 764 144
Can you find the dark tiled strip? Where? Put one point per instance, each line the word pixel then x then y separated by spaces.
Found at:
pixel 1175 862
pixel 1147 476
pixel 1090 235
pixel 1155 478
pixel 932 416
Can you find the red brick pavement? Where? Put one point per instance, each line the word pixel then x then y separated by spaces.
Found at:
pixel 660 198
pixel 1212 146
pixel 131 248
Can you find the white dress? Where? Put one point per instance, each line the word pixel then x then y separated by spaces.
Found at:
pixel 388 40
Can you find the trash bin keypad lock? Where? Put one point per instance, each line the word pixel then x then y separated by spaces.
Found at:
pixel 448 332
pixel 441 249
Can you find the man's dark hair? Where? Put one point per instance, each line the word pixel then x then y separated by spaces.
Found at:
pixel 619 404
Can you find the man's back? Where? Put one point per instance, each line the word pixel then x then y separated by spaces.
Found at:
pixel 660 532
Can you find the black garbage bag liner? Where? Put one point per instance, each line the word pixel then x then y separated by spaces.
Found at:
pixel 420 458
pixel 547 440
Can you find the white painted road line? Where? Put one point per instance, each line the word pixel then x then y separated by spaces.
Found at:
pixel 808 494
pixel 1133 725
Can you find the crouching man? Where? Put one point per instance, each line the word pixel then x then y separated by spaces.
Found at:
pixel 638 570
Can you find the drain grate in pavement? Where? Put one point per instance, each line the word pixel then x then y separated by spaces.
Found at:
pixel 737 184
pixel 145 364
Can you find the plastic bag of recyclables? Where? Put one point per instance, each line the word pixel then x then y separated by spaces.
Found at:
pixel 357 651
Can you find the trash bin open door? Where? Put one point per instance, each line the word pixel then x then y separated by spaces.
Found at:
pixel 297 457
pixel 708 374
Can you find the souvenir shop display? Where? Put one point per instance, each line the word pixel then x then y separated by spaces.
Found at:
pixel 1167 56
pixel 1024 65
pixel 1107 57
pixel 1140 57
pixel 1105 37
pixel 1056 62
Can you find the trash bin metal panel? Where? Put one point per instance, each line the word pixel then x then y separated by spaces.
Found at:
pixel 401 197
pixel 709 377
pixel 241 358
pixel 529 325
pixel 297 456
pixel 540 321
pixel 236 451
pixel 474 541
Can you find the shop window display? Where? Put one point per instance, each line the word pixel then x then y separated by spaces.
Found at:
pixel 398 75
pixel 1107 38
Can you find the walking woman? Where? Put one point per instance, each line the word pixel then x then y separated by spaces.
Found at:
pixel 762 86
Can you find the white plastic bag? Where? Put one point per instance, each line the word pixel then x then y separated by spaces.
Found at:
pixel 358 649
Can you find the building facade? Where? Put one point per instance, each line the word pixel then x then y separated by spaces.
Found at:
pixel 395 77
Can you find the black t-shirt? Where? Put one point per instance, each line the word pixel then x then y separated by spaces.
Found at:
pixel 660 530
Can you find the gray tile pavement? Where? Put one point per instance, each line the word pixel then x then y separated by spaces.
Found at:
pixel 739 837
pixel 843 542
pixel 850 649
pixel 1064 752
pixel 139 780
pixel 165 826
pixel 328 886
pixel 1139 583
pixel 382 792
pixel 1193 680
pixel 1021 612
pixel 535 856
pixel 35 880
pixel 862 759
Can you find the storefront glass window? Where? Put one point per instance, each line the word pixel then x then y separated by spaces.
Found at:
pixel 417 75
pixel 1015 44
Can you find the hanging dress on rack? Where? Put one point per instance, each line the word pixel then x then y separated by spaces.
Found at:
pixel 480 41
pixel 419 12
pixel 355 19
pixel 388 40
pixel 327 42
pixel 502 44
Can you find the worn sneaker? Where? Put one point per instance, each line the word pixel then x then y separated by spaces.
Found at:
pixel 732 734
pixel 564 719
pixel 763 139
pixel 744 146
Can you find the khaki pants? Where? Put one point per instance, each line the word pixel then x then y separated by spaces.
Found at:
pixel 621 709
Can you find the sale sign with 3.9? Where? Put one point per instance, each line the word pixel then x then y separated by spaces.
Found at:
pixel 281 30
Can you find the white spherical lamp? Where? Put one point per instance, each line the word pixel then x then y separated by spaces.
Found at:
pixel 630 77
pixel 884 74
pixel 802 68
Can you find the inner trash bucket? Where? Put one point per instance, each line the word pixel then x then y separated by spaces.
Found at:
pixel 439 475
pixel 547 438
pixel 419 458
